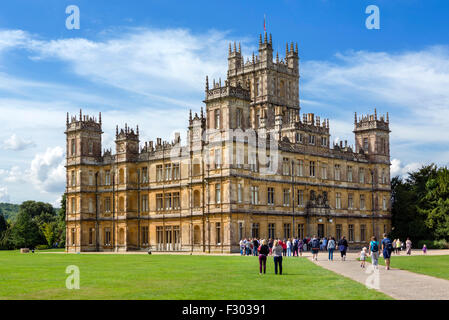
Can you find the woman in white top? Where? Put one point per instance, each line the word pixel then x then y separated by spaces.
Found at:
pixel 289 248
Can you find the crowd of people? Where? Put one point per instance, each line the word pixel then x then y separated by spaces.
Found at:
pixel 295 247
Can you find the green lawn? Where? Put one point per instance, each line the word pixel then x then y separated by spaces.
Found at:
pixel 436 266
pixel 107 276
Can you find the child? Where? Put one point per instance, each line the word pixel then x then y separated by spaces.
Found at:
pixel 424 249
pixel 362 257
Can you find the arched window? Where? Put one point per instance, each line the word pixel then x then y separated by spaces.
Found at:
pixel 196 235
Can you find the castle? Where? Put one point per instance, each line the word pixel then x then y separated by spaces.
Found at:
pixel 251 167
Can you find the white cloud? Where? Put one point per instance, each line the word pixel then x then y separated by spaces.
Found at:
pixel 47 170
pixel 17 144
pixel 15 174
pixel 4 196
pixel 12 38
pixel 398 169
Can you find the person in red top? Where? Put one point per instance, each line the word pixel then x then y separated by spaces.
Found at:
pixel 284 247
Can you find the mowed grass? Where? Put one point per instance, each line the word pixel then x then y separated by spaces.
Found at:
pixel 129 276
pixel 436 266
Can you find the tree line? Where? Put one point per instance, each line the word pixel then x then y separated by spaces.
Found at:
pixel 37 225
pixel 420 207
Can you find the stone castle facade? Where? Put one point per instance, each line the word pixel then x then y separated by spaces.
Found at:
pixel 251 167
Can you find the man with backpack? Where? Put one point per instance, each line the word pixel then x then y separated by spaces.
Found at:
pixel 373 250
pixel 387 248
pixel 315 247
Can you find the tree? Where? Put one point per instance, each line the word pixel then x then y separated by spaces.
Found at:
pixel 25 232
pixel 3 224
pixel 48 229
pixel 36 208
pixel 435 204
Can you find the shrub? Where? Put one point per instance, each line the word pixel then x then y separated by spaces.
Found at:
pixel 42 247
pixel 434 244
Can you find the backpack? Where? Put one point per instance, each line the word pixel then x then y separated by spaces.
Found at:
pixel 389 245
pixel 316 244
pixel 374 246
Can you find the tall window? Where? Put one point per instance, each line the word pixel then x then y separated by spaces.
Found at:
pixel 312 168
pixel 91 205
pixel 311 139
pixel 255 230
pixel 384 177
pixel 107 178
pixel 338 231
pixel 217 118
pixel 217 161
pixel 73 205
pixel 351 232
pixel 159 202
pixel 159 173
pixel 144 236
pixel 324 172
pixel 301 231
pixel 286 197
pixel 168 201
pixel 254 195
pixel 271 231
pixel 91 235
pixel 73 178
pixel 324 141
pixel 176 203
pixel 362 232
pixel 349 174
pixel 144 177
pixel 73 146
pixel 362 202
pixel 300 172
pixel 365 144
pixel 270 195
pixel 384 203
pixel 287 228
pixel 300 198
pixel 168 172
pixel 145 203
pixel 239 193
pixel 337 172
pixel 217 233
pixel 218 193
pixel 107 204
pixel 73 236
pixel 107 236
pixel 239 118
pixel 240 230
pixel 350 201
pixel 361 175
pixel 338 200
pixel 285 167
pixel 91 147
pixel 176 172
pixel 91 178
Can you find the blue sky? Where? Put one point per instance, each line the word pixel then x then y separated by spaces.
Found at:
pixel 144 62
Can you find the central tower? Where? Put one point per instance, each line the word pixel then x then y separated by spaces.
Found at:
pixel 272 83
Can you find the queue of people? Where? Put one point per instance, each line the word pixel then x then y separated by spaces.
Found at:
pixel 295 247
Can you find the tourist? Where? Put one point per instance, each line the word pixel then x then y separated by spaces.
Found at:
pixel 255 246
pixel 277 253
pixel 300 247
pixel 374 252
pixel 387 248
pixel 363 257
pixel 394 246
pixel 398 246
pixel 263 253
pixel 248 247
pixel 289 248
pixel 295 247
pixel 331 248
pixel 424 249
pixel 270 245
pixel 242 247
pixel 408 246
pixel 343 246
pixel 324 244
pixel 284 247
pixel 315 247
